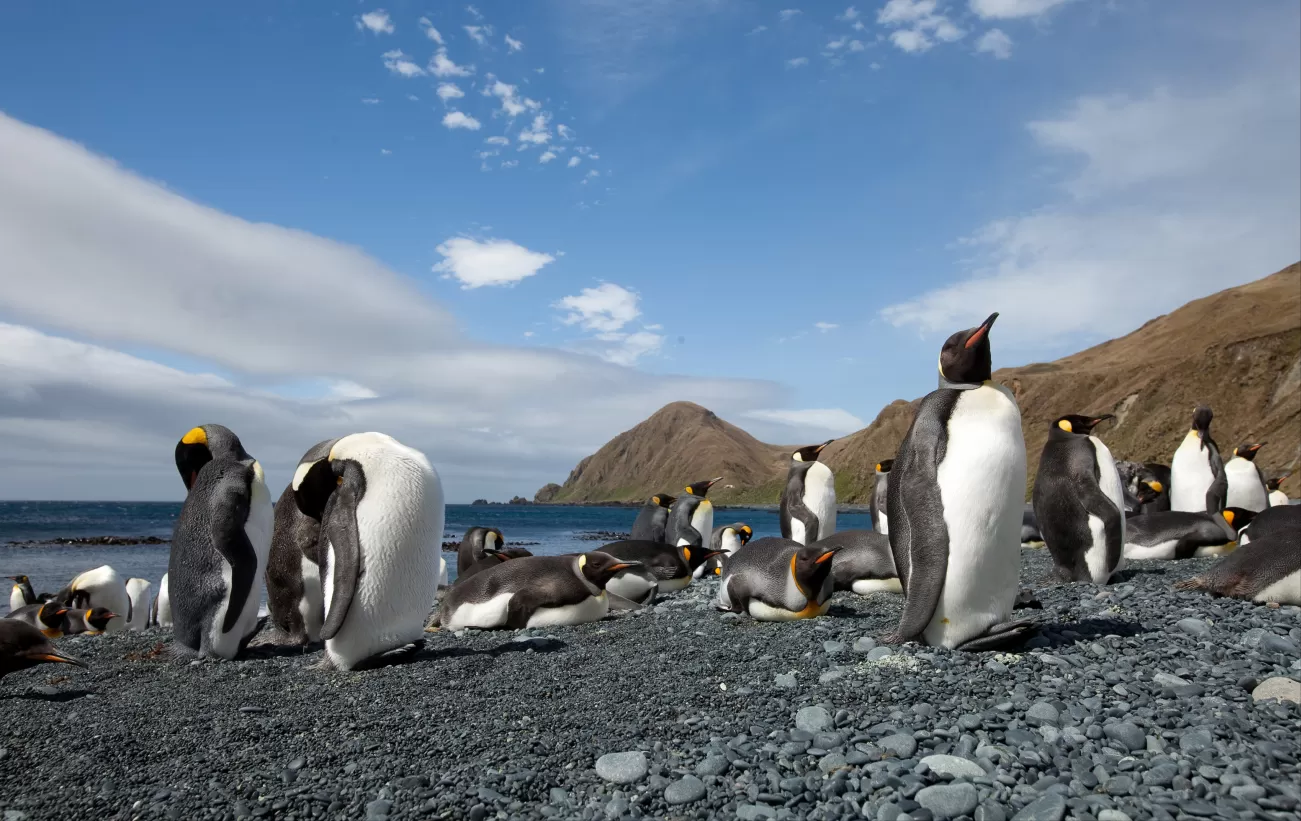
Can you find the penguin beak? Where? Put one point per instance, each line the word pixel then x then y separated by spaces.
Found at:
pixel 620 566
pixel 824 444
pixel 1257 447
pixel 1104 418
pixel 826 557
pixel 56 657
pixel 981 331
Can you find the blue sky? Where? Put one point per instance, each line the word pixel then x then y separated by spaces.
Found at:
pixel 275 219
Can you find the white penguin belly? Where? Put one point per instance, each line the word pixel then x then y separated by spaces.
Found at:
pixel 484 615
pixel 820 498
pixel 882 523
pixel 16 598
pixel 702 519
pixel 1096 557
pixel 1277 498
pixel 138 591
pixel 164 604
pixel 674 585
pixel 312 605
pixel 400 528
pixel 1286 590
pixel 592 608
pixel 982 489
pixel 1245 488
pixel 632 586
pixel 1190 475
pixel 865 586
pixel 1159 550
pixel 761 611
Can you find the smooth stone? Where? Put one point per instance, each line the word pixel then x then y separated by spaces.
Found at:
pixel 786 681
pixel 1052 807
pixel 622 768
pixel 1113 815
pixel 1041 713
pixel 377 809
pixel 1167 680
pixel 830 676
pixel 903 746
pixel 558 795
pixel 948 800
pixel 684 791
pixel 754 812
pixel 813 719
pixel 834 648
pixel 713 765
pixel 953 765
pixel 1194 741
pixel 1126 733
pixel 866 644
pixel 989 811
pixel 1278 688
pixel 878 653
pixel 1193 627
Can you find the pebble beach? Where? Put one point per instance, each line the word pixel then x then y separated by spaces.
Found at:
pixel 1137 701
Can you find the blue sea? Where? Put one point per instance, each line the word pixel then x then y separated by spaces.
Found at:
pixel 555 529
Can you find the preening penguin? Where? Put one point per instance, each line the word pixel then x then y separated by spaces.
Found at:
pixel 691 517
pixel 955 500
pixel 100 587
pixel 219 545
pixel 492 558
pixel 138 591
pixel 672 567
pixel 1079 501
pixel 653 519
pixel 881 518
pixel 726 540
pixel 294 591
pixel 380 504
pixel 23 646
pixel 1267 570
pixel 1144 489
pixel 778 580
pixel 863 562
pixel 808 501
pixel 1181 534
pixel 476 544
pixel 1197 478
pixel 537 591
pixel 1246 482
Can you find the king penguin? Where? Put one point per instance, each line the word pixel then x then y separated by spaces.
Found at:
pixel 1079 501
pixel 691 517
pixel 653 519
pixel 1277 498
pixel 100 587
pixel 808 501
pixel 1197 480
pixel 726 540
pixel 160 614
pixel 1267 570
pixel 294 593
pixel 219 545
pixel 537 591
pixel 881 518
pixel 672 567
pixel 1277 520
pixel 775 579
pixel 492 558
pixel 1246 482
pixel 955 500
pixel 1183 534
pixel 23 646
pixel 138 591
pixel 863 563
pixel 46 616
pixel 380 504
pixel 475 546
pixel 22 593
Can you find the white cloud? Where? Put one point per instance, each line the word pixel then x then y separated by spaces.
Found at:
pixel 498 141
pixel 948 32
pixel 398 63
pixel 995 42
pixel 838 43
pixel 117 260
pixel 537 133
pixel 440 65
pixel 856 45
pixel 431 32
pixel 476 263
pixel 509 163
pixel 413 98
pixel 848 15
pixel 831 420
pixel 875 66
pixel 897 12
pixel 479 34
pixel 1171 196
pixel 547 156
pixel 797 62
pixel 370 101
pixel 911 40
pixel 593 173
pixel 385 152
pixel 564 132
pixel 607 308
pixel 474 12
pixel 825 326
pixel 788 14
pixel 377 22
pixel 573 161
pixel 511 103
pixel 449 91
pixel 626 349
pixel 513 45
pixel 756 30
pixel 459 119
pixel 1010 9
pixel 348 390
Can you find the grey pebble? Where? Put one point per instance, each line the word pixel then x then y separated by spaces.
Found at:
pixel 377 809
pixel 1127 733
pixel 1193 627
pixel 813 719
pixel 1278 688
pixel 713 765
pixel 684 791
pixel 622 768
pixel 903 746
pixel 1041 713
pixel 785 680
pixel 952 765
pixel 864 644
pixel 834 648
pixel 1051 807
pixel 878 653
pixel 948 800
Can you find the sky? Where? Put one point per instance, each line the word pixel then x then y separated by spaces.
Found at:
pixel 505 232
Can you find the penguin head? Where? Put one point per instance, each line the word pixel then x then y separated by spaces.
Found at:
pixel 743 532
pixel 22 642
pixel 1248 450
pixel 598 568
pixel 315 483
pixel 507 554
pixel 696 556
pixel 1237 517
pixel 810 453
pixel 492 539
pixel 1274 483
pixel 19 579
pixel 51 614
pixel 965 357
pixel 1147 492
pixel 99 617
pixel 884 465
pixel 201 445
pixel 810 567
pixel 1083 425
pixel 664 500
pixel 702 487
pixel 1202 417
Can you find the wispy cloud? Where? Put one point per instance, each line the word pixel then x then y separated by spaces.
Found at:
pixel 449 91
pixel 498 141
pixel 607 310
pixel 547 156
pixel 995 42
pixel 513 45
pixel 440 65
pixel 756 30
pixel 474 12
pixel 432 33
pixel 370 101
pixel 476 264
pixel 832 420
pixel 376 22
pixel 848 15
pixel 916 22
pixel 479 34
pixel 1011 9
pixel 459 119
pixel 512 104
pixel 537 133
pixel 574 161
pixel 825 326
pixel 400 64
pixel 786 15
pixel 797 62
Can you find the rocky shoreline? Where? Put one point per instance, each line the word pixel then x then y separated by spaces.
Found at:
pixel 93 541
pixel 1134 702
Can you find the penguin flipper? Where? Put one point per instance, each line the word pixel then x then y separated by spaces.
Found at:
pixel 618 602
pixel 521 607
pixel 999 637
pixel 1217 495
pixel 339 525
pixel 229 511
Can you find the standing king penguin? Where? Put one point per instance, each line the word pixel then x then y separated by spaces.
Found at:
pixel 691 518
pixel 1197 479
pixel 808 501
pixel 1246 483
pixel 881 518
pixel 1277 498
pixel 219 545
pixel 1079 501
pixel 380 505
pixel 653 519
pixel 22 593
pixel 955 500
pixel 294 592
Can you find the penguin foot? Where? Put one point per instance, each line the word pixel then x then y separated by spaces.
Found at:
pixel 894 637
pixel 1000 637
pixel 395 656
pixel 1026 600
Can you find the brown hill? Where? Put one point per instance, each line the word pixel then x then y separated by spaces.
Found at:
pixel 1238 351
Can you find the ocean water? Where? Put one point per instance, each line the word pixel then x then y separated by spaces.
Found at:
pixel 555 530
